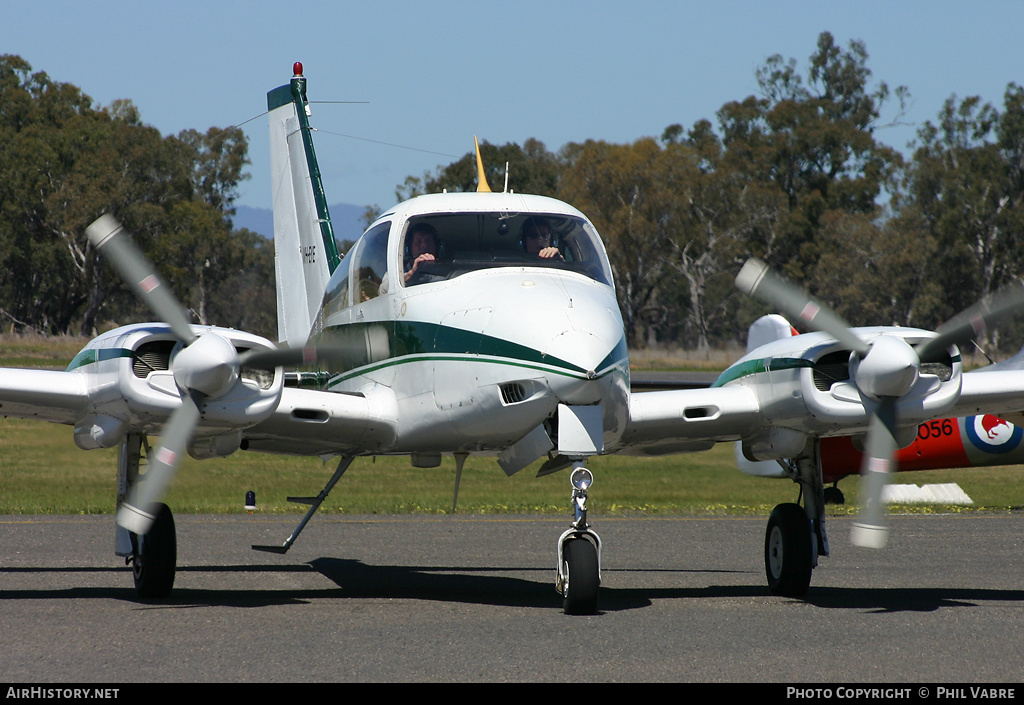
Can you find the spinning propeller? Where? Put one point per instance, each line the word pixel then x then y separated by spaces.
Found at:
pixel 884 370
pixel 206 368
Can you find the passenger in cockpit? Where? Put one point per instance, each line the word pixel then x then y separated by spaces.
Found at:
pixel 536 238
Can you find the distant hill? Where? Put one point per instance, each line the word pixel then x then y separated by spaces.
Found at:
pixel 346 218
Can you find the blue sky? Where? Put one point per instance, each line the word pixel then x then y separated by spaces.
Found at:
pixel 434 74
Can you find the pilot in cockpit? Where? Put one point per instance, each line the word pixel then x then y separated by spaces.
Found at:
pixel 537 240
pixel 424 246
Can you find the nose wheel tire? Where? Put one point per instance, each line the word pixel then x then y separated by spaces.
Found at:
pixel 788 558
pixel 582 577
pixel 155 556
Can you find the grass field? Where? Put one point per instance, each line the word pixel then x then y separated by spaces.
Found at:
pixel 39 350
pixel 43 472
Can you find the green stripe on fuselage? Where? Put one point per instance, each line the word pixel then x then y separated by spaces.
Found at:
pixel 90 356
pixel 417 341
pixel 753 367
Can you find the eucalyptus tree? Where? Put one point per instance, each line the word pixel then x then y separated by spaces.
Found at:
pixel 814 141
pixel 65 162
pixel 962 203
pixel 966 189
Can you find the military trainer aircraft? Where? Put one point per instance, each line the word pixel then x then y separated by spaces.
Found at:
pixel 972 441
pixel 486 323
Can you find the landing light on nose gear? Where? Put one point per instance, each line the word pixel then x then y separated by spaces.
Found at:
pixel 578 574
pixel 581 479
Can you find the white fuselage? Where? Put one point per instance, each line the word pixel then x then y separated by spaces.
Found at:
pixel 476 360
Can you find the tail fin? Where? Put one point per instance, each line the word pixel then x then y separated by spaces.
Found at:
pixel 767 329
pixel 305 253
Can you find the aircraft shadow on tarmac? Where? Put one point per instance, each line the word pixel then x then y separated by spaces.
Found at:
pixel 906 599
pixel 484 586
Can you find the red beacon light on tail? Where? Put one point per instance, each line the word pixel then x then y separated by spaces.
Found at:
pixel 297 69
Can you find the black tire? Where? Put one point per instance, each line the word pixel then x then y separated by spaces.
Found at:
pixel 834 495
pixel 582 574
pixel 155 556
pixel 788 556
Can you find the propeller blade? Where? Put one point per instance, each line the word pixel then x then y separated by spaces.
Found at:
pixel 756 279
pixel 283 357
pixel 109 237
pixel 340 354
pixel 970 323
pixel 138 512
pixel 879 450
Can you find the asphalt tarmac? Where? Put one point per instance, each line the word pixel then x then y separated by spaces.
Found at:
pixel 391 599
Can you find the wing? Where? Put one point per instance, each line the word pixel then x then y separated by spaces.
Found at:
pixel 312 422
pixel 686 420
pixel 995 390
pixel 46 395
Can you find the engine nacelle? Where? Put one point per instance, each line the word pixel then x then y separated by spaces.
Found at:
pixel 131 387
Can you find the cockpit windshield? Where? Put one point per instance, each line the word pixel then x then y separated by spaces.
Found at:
pixel 465 242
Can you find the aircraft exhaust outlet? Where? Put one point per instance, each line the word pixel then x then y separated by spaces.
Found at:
pixel 100 431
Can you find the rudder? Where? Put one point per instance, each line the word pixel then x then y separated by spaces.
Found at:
pixel 305 253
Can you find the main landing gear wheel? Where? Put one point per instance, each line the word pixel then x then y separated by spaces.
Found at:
pixel 579 559
pixel 833 495
pixel 155 555
pixel 788 558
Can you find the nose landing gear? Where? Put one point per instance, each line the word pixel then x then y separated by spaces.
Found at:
pixel 578 573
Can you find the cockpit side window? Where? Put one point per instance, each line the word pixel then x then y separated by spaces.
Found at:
pixel 463 242
pixel 336 297
pixel 370 263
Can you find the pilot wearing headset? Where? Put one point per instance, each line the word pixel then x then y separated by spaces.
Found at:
pixel 537 239
pixel 424 245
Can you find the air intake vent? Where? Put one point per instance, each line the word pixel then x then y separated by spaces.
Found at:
pixel 512 393
pixel 832 368
pixel 263 378
pixel 943 369
pixel 152 357
pixel 835 367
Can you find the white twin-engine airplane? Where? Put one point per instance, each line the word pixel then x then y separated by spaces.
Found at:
pixel 480 323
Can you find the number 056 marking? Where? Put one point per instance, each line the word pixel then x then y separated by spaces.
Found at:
pixel 935 429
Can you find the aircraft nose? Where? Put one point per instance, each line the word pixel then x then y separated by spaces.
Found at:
pixel 594 344
pixel 584 351
pixel 573 329
pixel 581 348
pixel 592 329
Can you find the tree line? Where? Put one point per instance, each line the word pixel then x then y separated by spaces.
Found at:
pixel 66 162
pixel 795 175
